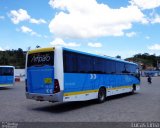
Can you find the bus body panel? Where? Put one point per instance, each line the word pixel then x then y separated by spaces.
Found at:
pixel 79 87
pixel 6 79
pixel 41 79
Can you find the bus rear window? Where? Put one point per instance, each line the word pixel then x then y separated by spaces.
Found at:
pixel 41 59
pixel 6 71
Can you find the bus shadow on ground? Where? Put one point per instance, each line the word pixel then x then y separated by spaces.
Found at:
pixel 69 106
pixel 66 106
pixel 119 96
pixel 5 88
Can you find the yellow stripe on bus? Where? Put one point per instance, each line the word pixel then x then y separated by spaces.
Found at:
pixel 41 50
pixel 80 92
pixel 119 88
pixel 92 91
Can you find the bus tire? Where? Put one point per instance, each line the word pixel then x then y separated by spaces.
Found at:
pixel 101 95
pixel 133 89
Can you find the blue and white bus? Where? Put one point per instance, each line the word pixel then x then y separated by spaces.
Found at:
pixel 6 76
pixel 61 74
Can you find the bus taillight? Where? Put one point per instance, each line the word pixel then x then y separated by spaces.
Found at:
pixel 56 86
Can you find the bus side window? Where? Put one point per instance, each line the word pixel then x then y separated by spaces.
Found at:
pixel 0 71
pixel 69 62
pixel 109 66
pixel 120 68
pixel 84 64
pixel 99 66
pixel 126 69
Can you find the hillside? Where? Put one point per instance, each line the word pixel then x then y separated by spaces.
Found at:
pixel 13 57
pixel 146 60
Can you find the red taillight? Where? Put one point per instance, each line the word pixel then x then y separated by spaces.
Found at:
pixel 56 86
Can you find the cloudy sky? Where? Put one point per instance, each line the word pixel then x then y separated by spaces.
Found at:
pixel 110 27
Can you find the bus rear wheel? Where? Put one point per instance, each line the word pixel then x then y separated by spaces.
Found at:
pixel 101 95
pixel 133 89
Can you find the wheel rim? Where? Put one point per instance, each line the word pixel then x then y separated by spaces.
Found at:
pixel 102 95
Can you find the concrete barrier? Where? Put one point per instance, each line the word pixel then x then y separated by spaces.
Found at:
pixel 19 75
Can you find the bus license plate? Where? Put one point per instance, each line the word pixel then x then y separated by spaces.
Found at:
pixel 48 80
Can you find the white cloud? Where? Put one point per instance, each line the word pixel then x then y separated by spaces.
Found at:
pixel 40 21
pixel 18 16
pixel 154 47
pixel 131 34
pixel 25 29
pixel 95 45
pixel 2 17
pixel 60 42
pixel 22 15
pixel 87 19
pixel 146 4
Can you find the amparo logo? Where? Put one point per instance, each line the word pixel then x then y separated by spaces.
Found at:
pixel 40 58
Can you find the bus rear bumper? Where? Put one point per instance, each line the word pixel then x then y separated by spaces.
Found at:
pixel 58 97
pixel 6 85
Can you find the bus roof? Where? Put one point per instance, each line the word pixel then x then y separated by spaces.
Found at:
pixel 41 50
pixel 6 66
pixel 52 49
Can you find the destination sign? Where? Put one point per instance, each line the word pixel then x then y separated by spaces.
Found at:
pixel 41 59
